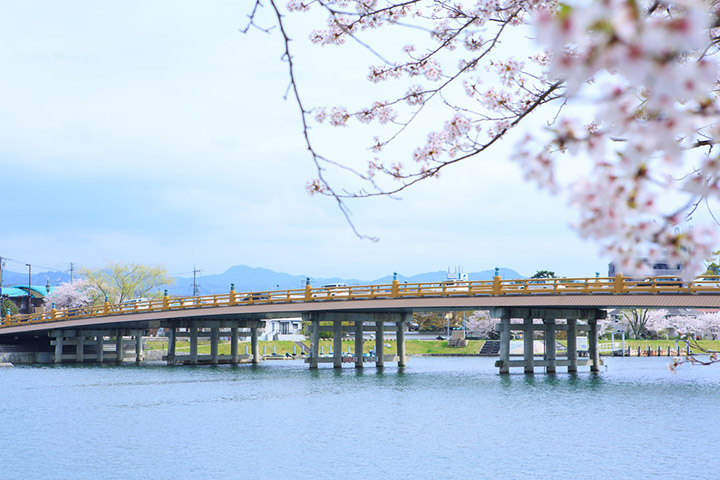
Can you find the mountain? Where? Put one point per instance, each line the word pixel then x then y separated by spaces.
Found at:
pixel 41 278
pixel 248 279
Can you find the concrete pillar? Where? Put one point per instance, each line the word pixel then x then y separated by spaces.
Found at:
pixel 358 343
pixel 572 345
pixel 58 348
pixel 550 353
pixel 79 349
pixel 100 349
pixel 193 345
pixel 337 344
pixel 314 342
pixel 172 340
pixel 119 348
pixel 594 352
pixel 401 338
pixel 234 345
pixel 138 347
pixel 214 345
pixel 254 345
pixel 528 353
pixel 380 341
pixel 505 345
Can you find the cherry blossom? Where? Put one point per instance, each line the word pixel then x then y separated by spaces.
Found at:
pixel 627 88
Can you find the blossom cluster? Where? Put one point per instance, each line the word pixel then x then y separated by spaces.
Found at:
pixel 626 86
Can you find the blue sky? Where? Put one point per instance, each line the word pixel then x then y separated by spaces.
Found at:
pixel 156 132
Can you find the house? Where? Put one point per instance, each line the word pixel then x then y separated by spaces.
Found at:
pixel 288 329
pixel 18 294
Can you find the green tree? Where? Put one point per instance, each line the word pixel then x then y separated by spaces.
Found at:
pixel 713 268
pixel 8 307
pixel 544 274
pixel 120 282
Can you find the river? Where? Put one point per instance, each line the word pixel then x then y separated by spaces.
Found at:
pixel 439 418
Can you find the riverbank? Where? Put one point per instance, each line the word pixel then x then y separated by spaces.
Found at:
pixel 413 347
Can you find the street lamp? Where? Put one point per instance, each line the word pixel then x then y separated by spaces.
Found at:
pixel 47 286
pixel 29 284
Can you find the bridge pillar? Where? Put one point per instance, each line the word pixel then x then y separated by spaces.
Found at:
pixel 505 344
pixel 401 338
pixel 100 348
pixel 193 344
pixel 337 344
pixel 59 348
pixel 314 341
pixel 380 340
pixel 550 354
pixel 572 345
pixel 214 341
pixel 254 344
pixel 593 350
pixel 528 343
pixel 358 342
pixel 79 348
pixel 172 339
pixel 138 347
pixel 234 345
pixel 119 348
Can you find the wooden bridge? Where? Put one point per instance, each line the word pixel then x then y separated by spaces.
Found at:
pixel 569 304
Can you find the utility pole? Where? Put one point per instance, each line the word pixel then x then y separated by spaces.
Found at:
pixel 2 264
pixel 72 271
pixel 195 285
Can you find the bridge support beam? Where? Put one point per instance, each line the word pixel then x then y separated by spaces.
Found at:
pixel 193 344
pixel 172 341
pixel 380 340
pixel 119 348
pixel 255 350
pixel 59 348
pixel 528 345
pixel 358 342
pixel 337 344
pixel 593 350
pixel 79 348
pixel 401 338
pixel 100 346
pixel 549 327
pixel 504 344
pixel 234 345
pixel 214 345
pixel 572 345
pixel 314 341
pixel 550 345
pixel 138 348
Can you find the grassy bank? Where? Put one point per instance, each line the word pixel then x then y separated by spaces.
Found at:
pixel 412 347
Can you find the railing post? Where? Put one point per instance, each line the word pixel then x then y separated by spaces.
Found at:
pixel 619 283
pixel 7 319
pixel 166 301
pixel 232 294
pixel 395 286
pixel 496 287
pixel 106 306
pixel 308 290
pixel 53 312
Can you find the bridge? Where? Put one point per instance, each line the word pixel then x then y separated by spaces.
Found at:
pixel 570 304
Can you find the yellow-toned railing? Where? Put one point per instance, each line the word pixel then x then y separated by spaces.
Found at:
pixel 497 286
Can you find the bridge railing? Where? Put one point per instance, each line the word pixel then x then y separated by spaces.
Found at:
pixel 497 286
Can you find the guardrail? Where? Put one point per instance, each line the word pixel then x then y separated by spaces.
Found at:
pixel 617 285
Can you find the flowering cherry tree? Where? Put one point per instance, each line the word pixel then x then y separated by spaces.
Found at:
pixel 77 294
pixel 480 324
pixel 623 91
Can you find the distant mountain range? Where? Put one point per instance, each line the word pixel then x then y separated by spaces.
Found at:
pixel 247 279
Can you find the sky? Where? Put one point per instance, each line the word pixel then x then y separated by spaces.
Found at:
pixel 158 133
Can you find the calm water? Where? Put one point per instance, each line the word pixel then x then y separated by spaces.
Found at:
pixel 440 418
